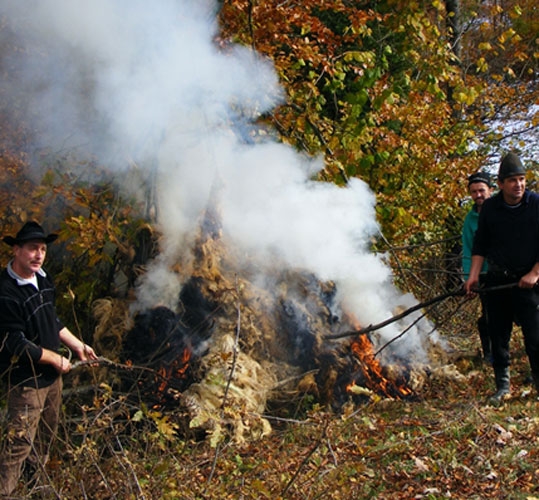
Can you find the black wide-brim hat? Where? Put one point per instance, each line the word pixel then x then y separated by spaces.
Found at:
pixel 30 231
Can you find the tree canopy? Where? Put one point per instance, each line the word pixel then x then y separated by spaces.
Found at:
pixel 391 94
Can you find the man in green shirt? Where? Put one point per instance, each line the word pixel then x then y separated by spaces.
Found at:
pixel 480 188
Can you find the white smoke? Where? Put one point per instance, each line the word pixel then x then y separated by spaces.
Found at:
pixel 144 82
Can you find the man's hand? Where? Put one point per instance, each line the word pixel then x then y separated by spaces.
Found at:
pixel 472 283
pixel 60 363
pixel 528 280
pixel 63 365
pixel 83 351
pixel 86 353
pixel 471 286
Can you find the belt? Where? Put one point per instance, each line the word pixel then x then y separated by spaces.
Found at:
pixel 496 271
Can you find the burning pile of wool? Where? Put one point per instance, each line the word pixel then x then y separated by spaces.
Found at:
pixel 232 347
pixel 251 349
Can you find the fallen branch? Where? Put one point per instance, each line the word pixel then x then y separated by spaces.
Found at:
pixel 94 362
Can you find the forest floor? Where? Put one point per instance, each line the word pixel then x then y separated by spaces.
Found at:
pixel 449 442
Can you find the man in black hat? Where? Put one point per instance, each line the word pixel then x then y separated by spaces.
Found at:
pixel 30 362
pixel 480 189
pixel 508 238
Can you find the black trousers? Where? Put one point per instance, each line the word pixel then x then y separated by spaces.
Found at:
pixel 503 308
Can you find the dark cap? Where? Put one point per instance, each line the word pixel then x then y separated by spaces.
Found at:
pixel 510 166
pixel 30 231
pixel 480 177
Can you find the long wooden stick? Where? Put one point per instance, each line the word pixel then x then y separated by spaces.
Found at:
pixel 102 361
pixel 421 305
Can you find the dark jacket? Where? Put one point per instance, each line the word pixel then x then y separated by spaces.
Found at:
pixel 28 323
pixel 509 237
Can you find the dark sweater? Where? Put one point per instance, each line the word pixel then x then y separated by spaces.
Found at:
pixel 28 323
pixel 509 237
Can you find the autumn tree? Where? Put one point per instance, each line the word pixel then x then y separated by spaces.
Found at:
pixel 500 66
pixel 379 89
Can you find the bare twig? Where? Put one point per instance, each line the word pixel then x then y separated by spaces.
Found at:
pixel 285 381
pixel 129 467
pixel 72 296
pixel 83 490
pixel 392 250
pixel 40 469
pixel 330 448
pixel 282 419
pixel 422 245
pixel 388 343
pixel 397 317
pixel 306 459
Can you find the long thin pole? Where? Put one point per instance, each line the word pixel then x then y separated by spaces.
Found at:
pixel 421 305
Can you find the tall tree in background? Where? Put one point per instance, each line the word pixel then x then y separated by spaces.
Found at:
pixel 501 62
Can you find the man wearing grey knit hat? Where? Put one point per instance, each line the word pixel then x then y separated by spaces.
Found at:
pixel 507 238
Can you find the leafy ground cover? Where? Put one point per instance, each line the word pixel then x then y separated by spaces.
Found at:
pixel 449 442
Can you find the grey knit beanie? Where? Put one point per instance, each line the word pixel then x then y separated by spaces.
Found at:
pixel 510 166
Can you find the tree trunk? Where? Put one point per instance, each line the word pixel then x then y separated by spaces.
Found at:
pixel 452 8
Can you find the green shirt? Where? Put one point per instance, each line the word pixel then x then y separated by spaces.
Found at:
pixel 468 232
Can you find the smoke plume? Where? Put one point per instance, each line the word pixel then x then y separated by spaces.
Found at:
pixel 131 81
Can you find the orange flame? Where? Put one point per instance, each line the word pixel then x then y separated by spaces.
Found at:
pixel 177 369
pixel 184 363
pixel 372 371
pixel 165 375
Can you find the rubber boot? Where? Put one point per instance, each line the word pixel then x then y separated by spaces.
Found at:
pixel 503 385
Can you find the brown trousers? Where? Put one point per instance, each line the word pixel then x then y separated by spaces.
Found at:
pixel 32 421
